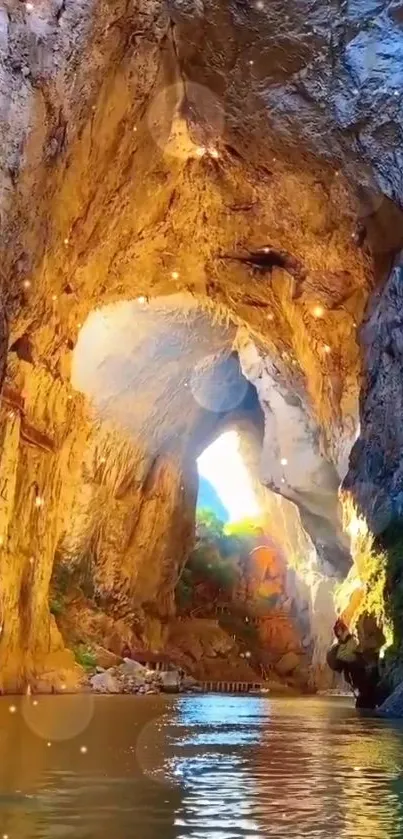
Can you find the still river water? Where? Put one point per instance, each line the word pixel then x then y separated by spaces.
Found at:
pixel 205 766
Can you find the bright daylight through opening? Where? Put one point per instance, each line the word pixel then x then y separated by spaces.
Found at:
pixel 221 464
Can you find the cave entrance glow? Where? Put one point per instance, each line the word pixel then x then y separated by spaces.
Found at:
pixel 225 483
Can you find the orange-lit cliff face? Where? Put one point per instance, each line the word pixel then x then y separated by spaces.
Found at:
pixel 137 158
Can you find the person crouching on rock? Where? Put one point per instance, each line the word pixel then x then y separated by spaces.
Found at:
pixel 342 656
pixel 346 657
pixel 126 651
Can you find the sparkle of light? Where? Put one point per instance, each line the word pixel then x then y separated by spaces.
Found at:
pixel 83 750
pixel 222 465
pixel 175 275
pixel 318 311
pixel 214 153
pixel 12 709
pixel 141 299
pixel 38 501
pixel 27 283
pixel 284 461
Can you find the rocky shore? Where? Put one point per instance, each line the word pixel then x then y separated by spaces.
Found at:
pixel 130 677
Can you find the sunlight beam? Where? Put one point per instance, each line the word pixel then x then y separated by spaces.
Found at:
pixel 222 465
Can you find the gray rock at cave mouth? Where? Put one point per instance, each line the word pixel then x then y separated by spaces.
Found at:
pixel 392 708
pixel 104 683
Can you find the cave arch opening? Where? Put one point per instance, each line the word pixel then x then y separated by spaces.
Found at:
pixel 161 229
pixel 165 383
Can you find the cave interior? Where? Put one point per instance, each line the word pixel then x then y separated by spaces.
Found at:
pixel 195 239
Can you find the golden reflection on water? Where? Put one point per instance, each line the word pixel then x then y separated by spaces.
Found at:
pixel 203 767
pixel 302 768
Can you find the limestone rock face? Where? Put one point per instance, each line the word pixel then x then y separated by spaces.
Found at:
pixel 249 175
pixel 375 477
pixel 207 652
pixel 392 708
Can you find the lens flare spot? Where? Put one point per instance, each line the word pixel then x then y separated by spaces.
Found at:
pixel 61 720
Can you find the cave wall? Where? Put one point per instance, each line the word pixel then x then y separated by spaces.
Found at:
pixel 105 196
pixel 310 580
pixel 41 452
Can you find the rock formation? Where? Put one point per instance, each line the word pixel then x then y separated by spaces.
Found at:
pixel 181 181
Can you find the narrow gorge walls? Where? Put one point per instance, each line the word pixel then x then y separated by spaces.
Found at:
pixel 242 163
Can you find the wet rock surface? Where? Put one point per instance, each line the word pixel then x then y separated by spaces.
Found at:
pixel 392 708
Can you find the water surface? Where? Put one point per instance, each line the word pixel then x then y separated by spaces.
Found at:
pixel 197 767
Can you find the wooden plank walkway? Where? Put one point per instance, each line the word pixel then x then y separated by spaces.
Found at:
pixel 230 687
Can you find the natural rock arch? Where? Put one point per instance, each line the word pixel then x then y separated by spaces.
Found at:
pixel 101 202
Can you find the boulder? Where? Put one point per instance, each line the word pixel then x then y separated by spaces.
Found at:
pixel 131 677
pixel 170 681
pixel 105 658
pixel 133 669
pixel 393 705
pixel 287 664
pixel 189 683
pixel 105 683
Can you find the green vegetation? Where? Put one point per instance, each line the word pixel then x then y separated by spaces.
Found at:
pixel 247 529
pixel 56 607
pixel 73 573
pixel 85 657
pixel 215 564
pixel 392 591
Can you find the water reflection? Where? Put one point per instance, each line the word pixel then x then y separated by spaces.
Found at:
pixel 208 766
pixel 287 769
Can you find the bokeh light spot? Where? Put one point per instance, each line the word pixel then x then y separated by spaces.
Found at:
pixel 58 719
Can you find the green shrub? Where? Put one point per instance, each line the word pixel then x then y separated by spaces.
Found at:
pixel 56 606
pixel 85 657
